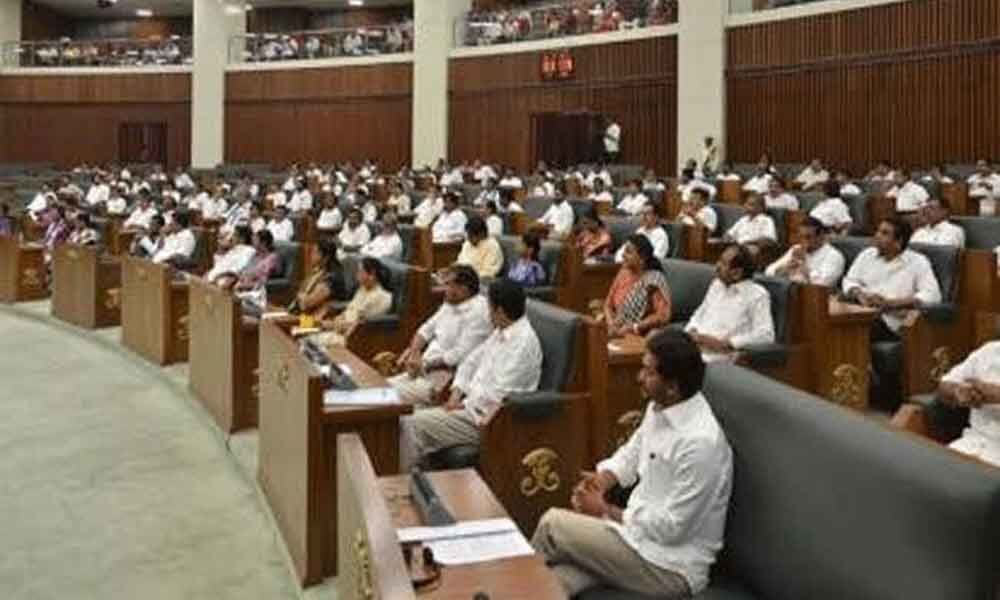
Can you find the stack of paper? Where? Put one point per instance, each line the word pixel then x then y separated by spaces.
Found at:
pixel 362 396
pixel 470 541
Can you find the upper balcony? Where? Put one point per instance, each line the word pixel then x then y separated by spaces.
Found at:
pixel 353 42
pixel 98 53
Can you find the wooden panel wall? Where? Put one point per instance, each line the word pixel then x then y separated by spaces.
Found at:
pixel 492 99
pixel 914 83
pixel 73 119
pixel 330 114
pixel 39 22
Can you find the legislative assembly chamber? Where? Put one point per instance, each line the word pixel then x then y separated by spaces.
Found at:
pixel 500 299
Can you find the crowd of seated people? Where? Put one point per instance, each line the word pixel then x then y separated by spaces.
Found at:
pixel 571 17
pixel 174 50
pixel 333 43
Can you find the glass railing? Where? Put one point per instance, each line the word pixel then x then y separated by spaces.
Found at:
pixel 97 53
pixel 563 19
pixel 319 44
pixel 746 6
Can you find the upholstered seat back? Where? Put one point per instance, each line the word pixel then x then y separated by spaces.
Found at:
pixel 981 233
pixel 675 233
pixel 535 206
pixel 728 215
pixel 857 206
pixel 780 218
pixel 946 262
pixel 809 200
pixel 399 274
pixel 349 267
pixel 689 283
pixel 831 504
pixel 556 329
pixel 850 247
pixel 782 292
pixel 407 233
pixel 620 228
pixel 288 261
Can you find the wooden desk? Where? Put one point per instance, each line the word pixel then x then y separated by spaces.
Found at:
pixel 154 312
pixel 979 288
pixel 625 402
pixel 595 280
pixel 223 351
pixel 86 287
pixel 298 451
pixel 444 254
pixel 22 271
pixel 731 191
pixel 372 510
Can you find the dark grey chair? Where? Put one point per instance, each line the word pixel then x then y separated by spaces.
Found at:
pixel 282 285
pixel 675 233
pixel 981 233
pixel 689 281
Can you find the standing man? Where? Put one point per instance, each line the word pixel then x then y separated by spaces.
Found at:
pixel 612 140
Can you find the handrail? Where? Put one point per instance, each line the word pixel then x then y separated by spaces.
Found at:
pixel 314 44
pixel 109 52
pixel 557 20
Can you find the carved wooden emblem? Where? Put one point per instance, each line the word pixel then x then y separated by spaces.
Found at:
pixel 941 358
pixel 627 424
pixel 848 386
pixel 113 298
pixel 31 278
pixel 385 364
pixel 182 329
pixel 282 376
pixel 363 559
pixel 541 472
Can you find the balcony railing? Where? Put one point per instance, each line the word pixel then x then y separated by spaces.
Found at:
pixel 563 19
pixel 97 53
pixel 745 6
pixel 320 44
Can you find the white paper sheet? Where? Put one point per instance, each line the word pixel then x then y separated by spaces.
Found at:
pixel 363 396
pixel 470 541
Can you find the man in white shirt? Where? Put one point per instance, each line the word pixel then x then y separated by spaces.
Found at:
pixel 559 218
pixel 183 181
pixel 98 193
pixel 116 204
pixel 40 203
pixel 450 226
pixel 281 227
pixel 237 258
pixel 695 211
pixel 847 187
pixel 984 185
pixel 429 208
pixel 976 384
pixel 755 228
pixel 633 201
pixel 149 242
pixel 456 329
pixel 832 212
pixel 759 182
pixel 483 172
pixel 679 461
pixel 302 200
pixel 508 362
pixel 511 180
pixel 651 229
pixel 387 244
pixel 353 235
pixel 910 196
pixel 330 218
pixel 275 196
pixel 600 193
pixel 778 198
pixel 936 229
pixel 612 141
pixel 813 176
pixel 479 250
pixel 489 193
pixel 141 215
pixel 179 244
pixel 214 208
pixel 736 312
pixel 811 261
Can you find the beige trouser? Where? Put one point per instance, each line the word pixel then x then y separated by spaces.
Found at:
pixel 423 390
pixel 584 552
pixel 428 430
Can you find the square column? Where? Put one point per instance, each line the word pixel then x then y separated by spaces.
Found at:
pixel 10 20
pixel 701 77
pixel 214 24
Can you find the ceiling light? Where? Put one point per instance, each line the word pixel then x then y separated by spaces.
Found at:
pixel 144 12
pixel 248 7
pixel 355 2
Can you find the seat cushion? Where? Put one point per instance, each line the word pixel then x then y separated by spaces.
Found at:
pixel 945 262
pixel 981 233
pixel 556 329
pixel 689 283
pixel 675 233
pixel 456 457
pixel 728 215
pixel 850 246
pixel 620 228
pixel 782 292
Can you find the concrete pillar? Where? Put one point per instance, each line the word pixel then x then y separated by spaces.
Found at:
pixel 10 26
pixel 701 77
pixel 214 24
pixel 434 37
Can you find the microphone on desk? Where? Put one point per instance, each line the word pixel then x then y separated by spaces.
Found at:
pixel 429 504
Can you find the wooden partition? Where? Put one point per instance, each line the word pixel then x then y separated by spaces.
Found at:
pixel 71 119
pixel 86 287
pixel 22 271
pixel 492 100
pixel 298 454
pixel 910 82
pixel 330 114
pixel 154 312
pixel 223 352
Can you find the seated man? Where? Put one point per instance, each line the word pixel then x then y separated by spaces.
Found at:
pixel 461 324
pixel 634 200
pixel 650 228
pixel 559 218
pixel 480 251
pixel 832 212
pixel 936 229
pixel 891 279
pixel 680 462
pixel 179 243
pixel 237 256
pixel 777 197
pixel 450 225
pixel 388 243
pixel 429 208
pixel 151 241
pixel 813 176
pixel 141 215
pixel 811 261
pixel 281 227
pixel 353 235
pixel 756 228
pixel 984 185
pixel 910 196
pixel 735 313
pixel 976 384
pixel 696 211
pixel 330 218
pixel 509 361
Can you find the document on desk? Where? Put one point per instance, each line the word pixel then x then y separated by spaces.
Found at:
pixel 470 541
pixel 376 396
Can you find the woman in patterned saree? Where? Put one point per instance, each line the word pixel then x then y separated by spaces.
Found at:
pixel 639 298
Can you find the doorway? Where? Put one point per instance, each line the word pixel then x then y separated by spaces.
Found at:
pixel 564 139
pixel 143 143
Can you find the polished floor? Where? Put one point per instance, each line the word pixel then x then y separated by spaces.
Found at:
pixel 115 484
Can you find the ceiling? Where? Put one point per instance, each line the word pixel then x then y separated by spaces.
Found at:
pixel 182 8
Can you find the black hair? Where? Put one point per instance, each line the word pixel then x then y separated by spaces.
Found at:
pixel 644 248
pixel 531 241
pixel 476 226
pixel 466 276
pixel 266 239
pixel 831 188
pixel 374 266
pixel 902 230
pixel 678 359
pixel 182 219
pixel 509 297
pixel 328 253
pixel 491 207
pixel 158 220
pixel 743 260
pixel 244 234
pixel 814 223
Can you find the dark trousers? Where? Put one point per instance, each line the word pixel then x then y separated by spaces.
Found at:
pixel 886 389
